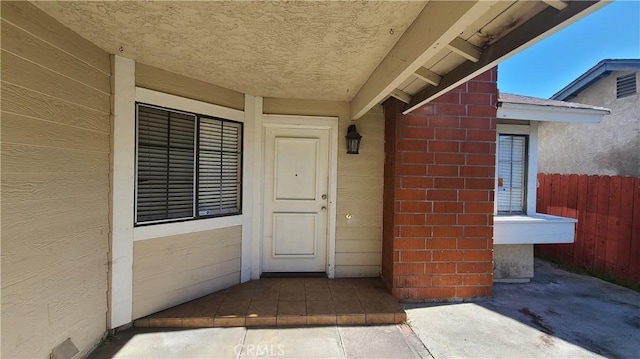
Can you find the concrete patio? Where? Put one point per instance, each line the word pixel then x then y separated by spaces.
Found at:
pixel 558 315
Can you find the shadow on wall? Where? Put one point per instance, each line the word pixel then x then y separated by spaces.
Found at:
pixel 623 159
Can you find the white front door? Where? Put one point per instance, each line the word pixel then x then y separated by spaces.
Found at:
pixel 296 183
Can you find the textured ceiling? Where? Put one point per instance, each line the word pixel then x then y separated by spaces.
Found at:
pixel 316 50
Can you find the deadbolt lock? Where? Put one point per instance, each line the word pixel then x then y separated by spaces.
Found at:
pixel 324 196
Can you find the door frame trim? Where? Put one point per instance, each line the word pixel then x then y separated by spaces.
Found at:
pixel 308 122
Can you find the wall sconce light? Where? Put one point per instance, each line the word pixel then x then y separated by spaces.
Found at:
pixel 353 140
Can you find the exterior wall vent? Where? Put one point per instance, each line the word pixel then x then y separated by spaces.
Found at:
pixel 626 85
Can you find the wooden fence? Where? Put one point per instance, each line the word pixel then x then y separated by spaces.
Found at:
pixel 607 240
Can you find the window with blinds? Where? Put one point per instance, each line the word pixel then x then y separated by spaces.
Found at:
pixel 188 166
pixel 512 169
pixel 218 167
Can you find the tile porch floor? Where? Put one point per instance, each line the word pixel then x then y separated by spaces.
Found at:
pixel 286 302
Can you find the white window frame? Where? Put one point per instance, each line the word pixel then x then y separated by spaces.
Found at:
pixel 530 130
pixel 197 118
pixel 178 103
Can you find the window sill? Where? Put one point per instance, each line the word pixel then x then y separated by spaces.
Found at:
pixel 534 218
pixel 177 228
pixel 533 229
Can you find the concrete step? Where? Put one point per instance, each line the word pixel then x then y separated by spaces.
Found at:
pixel 271 302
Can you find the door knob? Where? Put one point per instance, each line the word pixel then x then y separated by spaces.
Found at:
pixel 324 209
pixel 324 196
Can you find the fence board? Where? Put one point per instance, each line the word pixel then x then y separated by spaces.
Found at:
pixel 555 201
pixel 553 207
pixel 591 221
pixel 542 205
pixel 626 223
pixel 567 209
pixel 539 193
pixel 607 240
pixel 634 252
pixel 602 222
pixel 546 203
pixel 581 209
pixel 613 225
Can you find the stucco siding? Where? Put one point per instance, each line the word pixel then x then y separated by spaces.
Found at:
pixel 611 147
pixel 171 270
pixel 55 185
pixel 359 187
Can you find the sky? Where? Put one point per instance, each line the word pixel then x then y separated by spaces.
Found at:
pixel 541 70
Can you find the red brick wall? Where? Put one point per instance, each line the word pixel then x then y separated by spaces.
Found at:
pixel 438 194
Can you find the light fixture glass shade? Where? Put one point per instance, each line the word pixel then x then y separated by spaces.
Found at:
pixel 353 140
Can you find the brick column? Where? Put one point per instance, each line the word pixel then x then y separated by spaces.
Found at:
pixel 438 194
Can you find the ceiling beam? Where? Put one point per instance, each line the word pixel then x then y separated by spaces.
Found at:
pixel 439 23
pixel 465 49
pixel 558 4
pixel 401 95
pixel 428 76
pixel 545 23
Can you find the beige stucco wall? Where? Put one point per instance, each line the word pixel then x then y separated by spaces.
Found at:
pixel 360 181
pixel 611 147
pixel 512 262
pixel 171 270
pixel 55 185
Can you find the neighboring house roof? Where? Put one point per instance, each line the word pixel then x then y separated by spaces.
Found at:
pixel 518 107
pixel 602 69
pixel 528 100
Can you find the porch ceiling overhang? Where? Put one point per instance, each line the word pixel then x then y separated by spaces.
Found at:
pixel 362 52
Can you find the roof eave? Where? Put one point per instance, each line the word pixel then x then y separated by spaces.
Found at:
pixel 601 69
pixel 527 112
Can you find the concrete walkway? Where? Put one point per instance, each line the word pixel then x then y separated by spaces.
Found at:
pixel 558 315
pixel 390 341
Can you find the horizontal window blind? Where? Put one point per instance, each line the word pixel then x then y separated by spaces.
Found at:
pixel 183 173
pixel 165 165
pixel 219 167
pixel 512 164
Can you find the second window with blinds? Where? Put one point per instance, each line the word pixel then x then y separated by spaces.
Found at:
pixel 188 166
pixel 512 170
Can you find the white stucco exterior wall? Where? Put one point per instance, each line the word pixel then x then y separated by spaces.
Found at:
pixel 611 147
